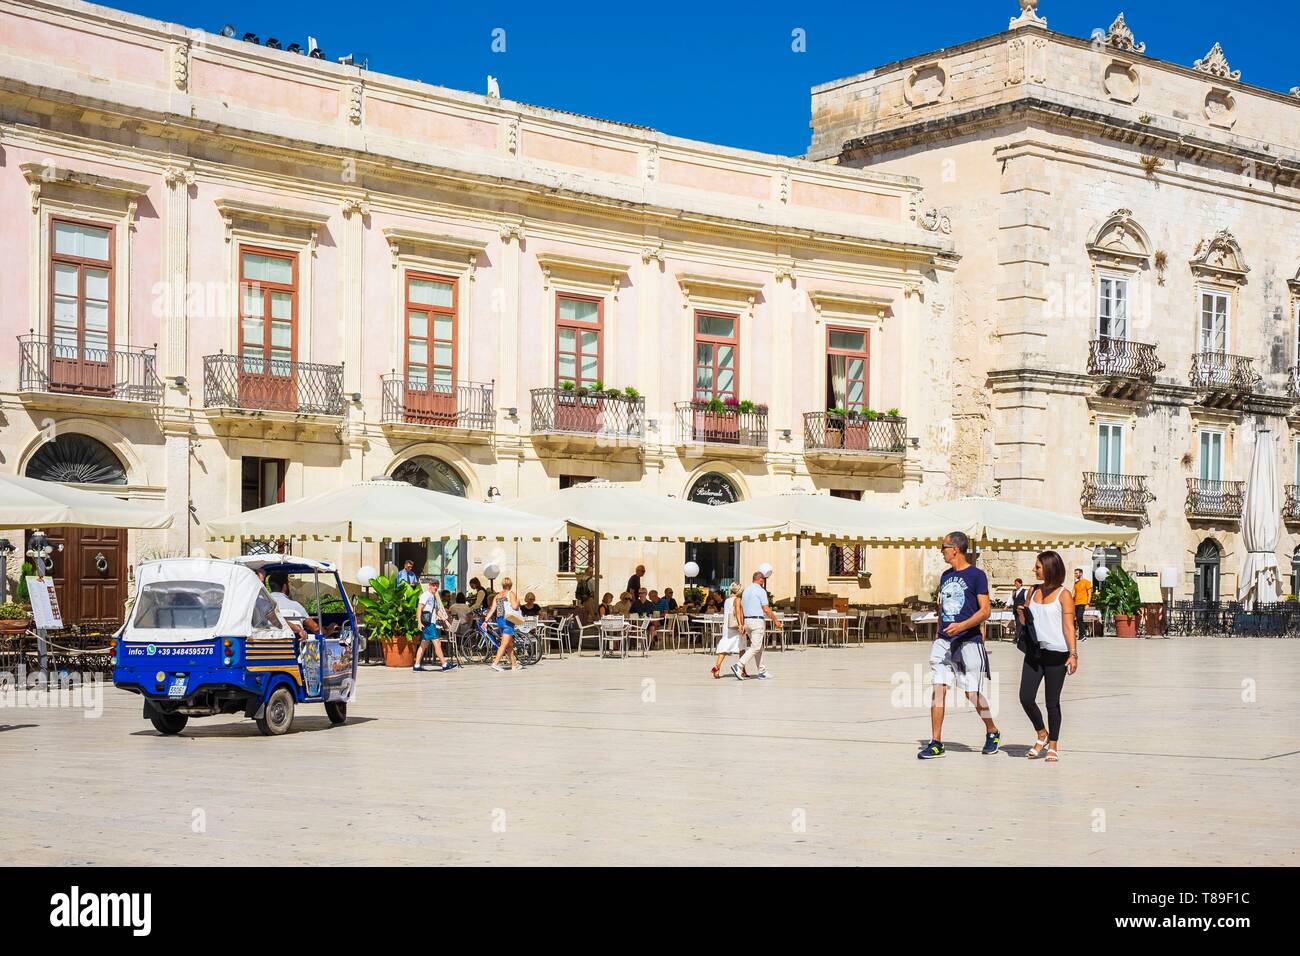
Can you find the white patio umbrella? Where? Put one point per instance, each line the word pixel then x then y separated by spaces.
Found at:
pixel 384 509
pixel 1260 519
pixel 996 525
pixel 32 503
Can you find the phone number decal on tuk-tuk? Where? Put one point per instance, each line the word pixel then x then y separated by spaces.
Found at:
pixel 184 650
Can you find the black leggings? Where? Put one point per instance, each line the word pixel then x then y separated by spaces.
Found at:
pixel 1049 665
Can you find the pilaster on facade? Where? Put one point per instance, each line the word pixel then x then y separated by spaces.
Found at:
pixel 355 210
pixel 178 179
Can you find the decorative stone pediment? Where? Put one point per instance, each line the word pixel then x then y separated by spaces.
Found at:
pixel 1215 63
pixel 1120 241
pixel 603 274
pixel 261 216
pixel 454 251
pixel 51 177
pixel 1220 258
pixel 830 302
pixel 1120 37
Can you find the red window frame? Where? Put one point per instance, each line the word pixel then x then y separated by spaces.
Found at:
pixel 580 327
pixel 715 342
pixel 431 340
pixel 864 354
pixel 82 264
pixel 266 289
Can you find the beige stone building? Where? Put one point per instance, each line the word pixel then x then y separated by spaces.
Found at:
pixel 234 275
pixel 1127 306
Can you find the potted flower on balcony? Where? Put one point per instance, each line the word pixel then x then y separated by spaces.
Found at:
pixel 13 618
pixel 392 615
pixel 1118 596
pixel 720 423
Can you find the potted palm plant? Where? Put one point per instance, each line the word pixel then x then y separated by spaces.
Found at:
pixel 392 615
pixel 1118 596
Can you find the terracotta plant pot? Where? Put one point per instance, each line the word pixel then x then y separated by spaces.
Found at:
pixel 13 627
pixel 398 652
pixel 1126 625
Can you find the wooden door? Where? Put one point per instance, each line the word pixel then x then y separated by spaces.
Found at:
pixel 268 329
pixel 90 573
pixel 81 307
pixel 431 397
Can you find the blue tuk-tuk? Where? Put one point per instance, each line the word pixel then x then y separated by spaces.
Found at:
pixel 206 637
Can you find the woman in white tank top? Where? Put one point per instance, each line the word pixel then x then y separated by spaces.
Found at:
pixel 733 627
pixel 1053 656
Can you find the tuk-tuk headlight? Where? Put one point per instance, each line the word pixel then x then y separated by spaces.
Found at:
pixel 160 676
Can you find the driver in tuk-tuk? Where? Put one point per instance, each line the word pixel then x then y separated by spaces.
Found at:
pixel 291 610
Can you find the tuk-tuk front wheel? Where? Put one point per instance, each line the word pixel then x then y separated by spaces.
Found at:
pixel 336 712
pixel 168 724
pixel 277 715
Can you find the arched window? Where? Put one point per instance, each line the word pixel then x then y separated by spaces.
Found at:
pixel 76 458
pixel 713 489
pixel 1209 556
pixel 433 474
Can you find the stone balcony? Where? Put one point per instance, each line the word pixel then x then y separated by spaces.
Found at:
pixel 1215 500
pixel 1113 495
pixel 458 405
pixel 579 415
pixel 831 436
pixel 59 373
pixel 1223 380
pixel 238 385
pixel 704 423
pixel 1124 369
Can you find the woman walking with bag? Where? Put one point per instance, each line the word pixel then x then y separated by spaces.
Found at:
pixel 505 612
pixel 733 626
pixel 1048 641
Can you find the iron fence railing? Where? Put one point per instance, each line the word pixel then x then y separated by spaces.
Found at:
pixel 255 383
pixel 599 414
pixel 703 422
pixel 1234 619
pixel 1291 503
pixel 1115 494
pixel 1214 499
pixel 1219 371
pixel 1293 382
pixel 1120 358
pixel 459 405
pixel 128 373
pixel 826 431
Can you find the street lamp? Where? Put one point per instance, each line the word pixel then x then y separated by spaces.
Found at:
pixel 493 572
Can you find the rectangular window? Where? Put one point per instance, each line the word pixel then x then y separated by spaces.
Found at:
pixel 1110 449
pixel 847 561
pixel 579 336
pixel 430 334
pixel 1112 308
pixel 1211 456
pixel 1214 322
pixel 268 312
pixel 81 304
pixel 847 369
pixel 262 482
pixel 576 554
pixel 717 346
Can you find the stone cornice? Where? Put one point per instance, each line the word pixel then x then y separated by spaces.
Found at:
pixel 1146 137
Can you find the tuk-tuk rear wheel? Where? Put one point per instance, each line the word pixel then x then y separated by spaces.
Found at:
pixel 277 715
pixel 168 724
pixel 336 712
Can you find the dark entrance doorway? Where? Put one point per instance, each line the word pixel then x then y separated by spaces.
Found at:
pixel 445 560
pixel 719 561
pixel 1208 559
pixel 90 574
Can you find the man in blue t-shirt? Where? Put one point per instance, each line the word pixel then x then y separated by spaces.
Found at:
pixel 957 656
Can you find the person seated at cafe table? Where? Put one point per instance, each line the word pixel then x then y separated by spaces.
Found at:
pixel 606 605
pixel 666 603
pixel 624 605
pixel 530 607
pixel 642 604
pixel 713 604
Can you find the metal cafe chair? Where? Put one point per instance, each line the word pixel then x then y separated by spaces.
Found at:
pixel 637 631
pixel 555 632
pixel 613 629
pixel 857 626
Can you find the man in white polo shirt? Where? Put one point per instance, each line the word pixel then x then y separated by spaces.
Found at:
pixel 754 607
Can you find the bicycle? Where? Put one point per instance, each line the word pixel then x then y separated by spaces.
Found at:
pixel 482 640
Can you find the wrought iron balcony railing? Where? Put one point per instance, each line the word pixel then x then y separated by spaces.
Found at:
pixel 702 422
pixel 254 383
pixel 1291 503
pixel 127 373
pixel 826 431
pixel 460 405
pixel 1293 382
pixel 1120 358
pixel 1221 372
pixel 1214 499
pixel 1115 494
pixel 597 414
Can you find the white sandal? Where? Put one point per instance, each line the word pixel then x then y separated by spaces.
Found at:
pixel 1037 749
pixel 1051 755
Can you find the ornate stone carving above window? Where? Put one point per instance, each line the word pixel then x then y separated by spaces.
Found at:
pixel 454 252
pixel 1215 63
pixel 599 275
pixel 1120 37
pixel 1120 242
pixel 925 85
pixel 1122 82
pixel 1220 259
pixel 1294 284
pixel 102 192
pixel 281 219
pixel 1221 108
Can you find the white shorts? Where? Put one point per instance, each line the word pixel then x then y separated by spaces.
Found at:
pixel 943 672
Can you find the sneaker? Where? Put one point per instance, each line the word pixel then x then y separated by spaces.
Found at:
pixel 735 669
pixel 498 668
pixel 763 675
pixel 417 667
pixel 517 667
pixel 992 742
pixel 447 666
pixel 931 750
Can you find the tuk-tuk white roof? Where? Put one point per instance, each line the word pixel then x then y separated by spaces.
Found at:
pixel 241 589
pixel 259 561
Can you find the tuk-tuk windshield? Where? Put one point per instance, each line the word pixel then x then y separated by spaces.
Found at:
pixel 171 605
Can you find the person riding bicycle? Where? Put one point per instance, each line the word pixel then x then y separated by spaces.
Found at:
pixel 505 606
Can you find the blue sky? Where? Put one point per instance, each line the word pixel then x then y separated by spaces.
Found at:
pixel 722 72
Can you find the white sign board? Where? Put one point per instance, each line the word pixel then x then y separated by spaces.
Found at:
pixel 45 603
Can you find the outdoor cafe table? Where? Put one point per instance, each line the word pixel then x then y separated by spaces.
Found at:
pixel 834 622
